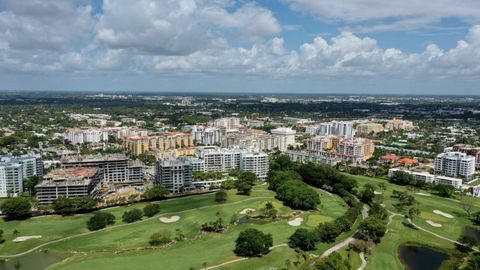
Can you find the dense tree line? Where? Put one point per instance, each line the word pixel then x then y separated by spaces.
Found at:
pixel 68 206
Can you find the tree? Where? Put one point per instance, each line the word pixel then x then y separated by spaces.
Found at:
pixel 413 212
pixel 269 211
pixel 156 192
pixel 444 190
pixel 303 239
pixel 373 228
pixel 327 232
pixel 16 208
pixel 473 262
pixel 467 242
pixel 476 218
pixel 402 178
pixel 252 242
pixel 367 194
pixel 132 215
pixel 298 195
pixel 467 204
pixel 228 184
pixel 277 178
pixel 30 183
pixel 162 237
pixel 1 237
pixel 245 182
pixel 221 196
pixel 179 235
pixel 68 206
pixel 382 186
pixel 100 220
pixel 148 159
pixel 151 209
pixel 333 262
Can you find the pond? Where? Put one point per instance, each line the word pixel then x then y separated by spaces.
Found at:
pixel 472 232
pixel 33 261
pixel 421 258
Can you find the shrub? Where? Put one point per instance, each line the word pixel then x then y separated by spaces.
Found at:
pixel 100 220
pixel 160 238
pixel 132 215
pixel 151 210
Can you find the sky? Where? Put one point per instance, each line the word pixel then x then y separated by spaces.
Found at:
pixel 263 46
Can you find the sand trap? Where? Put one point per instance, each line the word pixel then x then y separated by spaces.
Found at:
pixel 296 222
pixel 25 238
pixel 169 219
pixel 438 212
pixel 433 224
pixel 377 192
pixel 246 211
pixel 422 194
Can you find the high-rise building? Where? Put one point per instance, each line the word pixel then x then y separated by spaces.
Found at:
pixel 82 136
pixel 340 128
pixel 11 178
pixel 175 174
pixel 117 169
pixel 223 160
pixel 227 122
pixel 168 141
pixel 69 183
pixel 369 128
pixel 14 170
pixel 286 136
pixel 256 163
pixel 455 164
pixel 207 135
pixel 356 150
pixel 469 150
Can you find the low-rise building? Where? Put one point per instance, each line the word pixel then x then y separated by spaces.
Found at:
pixel 86 135
pixel 117 169
pixel 430 178
pixel 69 183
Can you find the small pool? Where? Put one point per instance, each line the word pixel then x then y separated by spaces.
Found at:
pixel 421 258
pixel 33 261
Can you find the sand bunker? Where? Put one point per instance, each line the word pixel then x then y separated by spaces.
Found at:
pixel 422 194
pixel 246 211
pixel 296 222
pixel 433 224
pixel 25 238
pixel 377 192
pixel 438 212
pixel 169 219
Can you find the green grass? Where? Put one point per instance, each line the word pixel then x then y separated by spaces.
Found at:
pixel 384 255
pixel 275 259
pixel 127 246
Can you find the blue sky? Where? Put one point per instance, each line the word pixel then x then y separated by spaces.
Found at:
pixel 283 46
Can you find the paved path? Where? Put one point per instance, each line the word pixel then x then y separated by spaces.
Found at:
pixel 345 242
pixel 119 226
pixel 364 262
pixel 239 260
pixel 437 235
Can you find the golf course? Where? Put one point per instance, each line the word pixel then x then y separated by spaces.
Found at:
pixel 126 245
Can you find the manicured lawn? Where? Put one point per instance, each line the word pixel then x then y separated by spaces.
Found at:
pixel 384 255
pixel 127 246
pixel 276 259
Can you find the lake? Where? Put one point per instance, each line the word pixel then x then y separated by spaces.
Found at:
pixel 421 258
pixel 33 261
